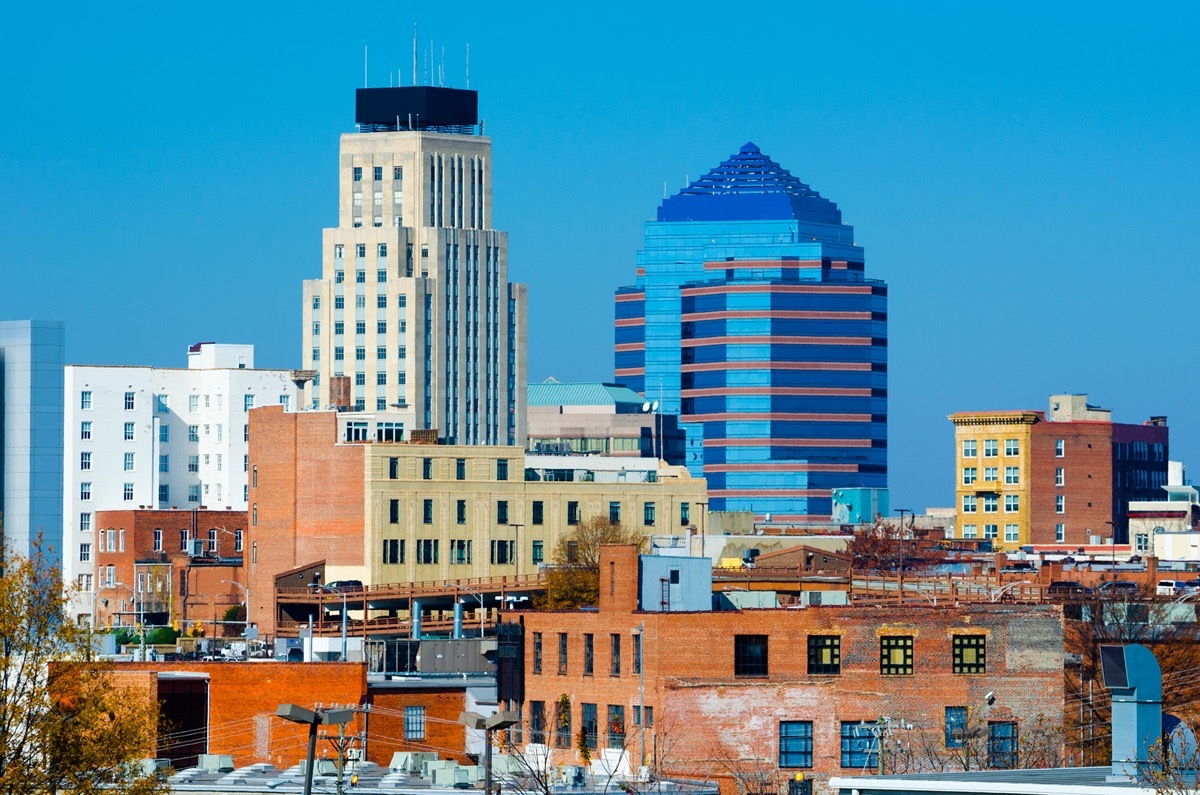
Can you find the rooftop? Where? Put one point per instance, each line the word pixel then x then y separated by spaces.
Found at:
pixel 590 393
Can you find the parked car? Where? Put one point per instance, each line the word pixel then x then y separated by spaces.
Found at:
pixel 1119 588
pixel 1170 587
pixel 345 586
pixel 1068 588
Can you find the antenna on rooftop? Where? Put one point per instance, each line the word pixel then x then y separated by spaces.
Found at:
pixel 364 66
pixel 468 64
pixel 442 69
pixel 414 53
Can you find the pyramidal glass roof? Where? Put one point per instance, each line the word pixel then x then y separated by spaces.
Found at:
pixel 749 186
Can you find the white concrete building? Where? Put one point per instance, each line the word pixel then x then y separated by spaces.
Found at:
pixel 414 308
pixel 158 438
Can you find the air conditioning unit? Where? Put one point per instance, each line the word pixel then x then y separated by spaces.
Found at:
pixel 196 548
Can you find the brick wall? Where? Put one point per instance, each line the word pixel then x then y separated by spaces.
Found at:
pixel 1087 484
pixel 443 733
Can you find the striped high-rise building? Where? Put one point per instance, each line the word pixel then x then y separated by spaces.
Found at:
pixel 753 319
pixel 414 314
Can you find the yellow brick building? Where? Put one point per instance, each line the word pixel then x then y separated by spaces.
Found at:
pixel 993 454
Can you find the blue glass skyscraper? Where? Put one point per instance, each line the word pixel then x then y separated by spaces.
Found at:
pixel 753 319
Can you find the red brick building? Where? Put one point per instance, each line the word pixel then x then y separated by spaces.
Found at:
pixel 780 690
pixel 163 566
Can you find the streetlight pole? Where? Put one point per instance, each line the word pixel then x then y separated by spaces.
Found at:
pixel 462 588
pixel 900 544
pixel 639 634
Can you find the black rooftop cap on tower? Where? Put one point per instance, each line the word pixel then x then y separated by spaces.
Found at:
pixel 432 108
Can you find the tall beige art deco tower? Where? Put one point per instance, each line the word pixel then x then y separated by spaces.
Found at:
pixel 414 313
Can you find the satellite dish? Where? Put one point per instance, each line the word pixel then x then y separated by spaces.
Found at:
pixel 654 406
pixel 645 407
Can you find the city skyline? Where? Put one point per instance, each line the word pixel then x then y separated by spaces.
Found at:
pixel 190 162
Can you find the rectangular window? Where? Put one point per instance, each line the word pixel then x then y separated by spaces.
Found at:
pixel 427 468
pixel 85 522
pixel 1012 446
pixel 648 514
pixel 587 721
pixel 1060 477
pixel 956 726
pixel 1012 503
pixel 1002 744
pixel 129 401
pixel 391 551
pixel 1060 504
pixel 1012 476
pixel 193 403
pixel 562 652
pixel 85 461
pixel 589 653
pixel 427 511
pixel 615 669
pixel 991 503
pixel 824 655
pixel 160 404
pixel 460 551
pixel 750 655
pixel 637 653
pixel 968 475
pixel 1141 542
pixel 685 514
pixel 164 433
pixel 1060 448
pixel 85 491
pixel 393 511
pixel 796 743
pixel 128 462
pixel 1060 533
pixel 614 512
pixel 969 530
pixel 537 652
pixel 85 400
pixel 127 492
pixel 537 722
pixel 129 431
pixel 990 474
pixel 968 503
pixel 414 723
pixel 193 463
pixel 247 402
pixel 393 468
pixel 158 539
pixel 502 552
pixel 85 430
pixel 616 726
pixel 427 551
pixel 85 553
pixel 502 512
pixel 460 469
pixel 538 555
pixel 991 448
pixel 194 493
pixel 460 511
pixel 896 655
pixel 969 449
pixel 1012 533
pixel 537 512
pixel 572 512
pixel 990 530
pixel 193 433
pixel 970 654
pixel 859 746
pixel 501 469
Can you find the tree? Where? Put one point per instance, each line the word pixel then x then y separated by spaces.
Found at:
pixel 67 725
pixel 573 581
pixel 877 547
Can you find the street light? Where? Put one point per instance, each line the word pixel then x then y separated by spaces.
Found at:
pixel 639 635
pixel 342 591
pixel 900 543
pixel 321 717
pixel 476 594
pixel 246 602
pixel 496 722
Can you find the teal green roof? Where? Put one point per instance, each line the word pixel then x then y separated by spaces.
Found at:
pixel 592 393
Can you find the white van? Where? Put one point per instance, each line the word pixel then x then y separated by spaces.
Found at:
pixel 1170 587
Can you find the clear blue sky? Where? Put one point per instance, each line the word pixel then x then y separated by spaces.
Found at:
pixel 1023 175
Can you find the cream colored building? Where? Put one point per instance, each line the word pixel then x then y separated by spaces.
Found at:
pixel 414 305
pixel 993 475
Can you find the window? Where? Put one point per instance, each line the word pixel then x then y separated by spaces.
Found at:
pixel 990 474
pixel 538 555
pixel 85 430
pixel 193 403
pixel 1141 542
pixel 85 491
pixel 160 404
pixel 393 468
pixel 587 719
pixel 460 469
pixel 127 492
pixel 1002 744
pixel 1060 477
pixel 637 653
pixel 991 448
pixel 360 327
pixel 85 522
pixel 562 652
pixel 339 302
pixel 956 726
pixel 381 303
pixel 648 514
pixel 615 669
pixel 427 468
pixel 427 551
pixel 990 530
pixel 193 433
pixel 129 431
pixel 537 722
pixel 158 539
pixel 1012 446
pixel 749 655
pixel 1012 533
pixel 969 449
pixel 614 512
pixel 970 654
pixel 572 512
pixel 393 551
pixel 991 503
pixel 193 463
pixel 357 174
pixel 460 510
pixel 129 401
pixel 164 433
pixel 502 552
pixel 1060 533
pixel 394 511
pixel 501 469
pixel 85 400
pixel 896 655
pixel 247 402
pixel 968 531
pixel 968 503
pixel 616 726
pixel 1012 476
pixel 537 652
pixel 194 493
pixel 414 723
pixel 824 655
pixel 502 512
pixel 237 540
pixel 427 511
pixel 795 743
pixel 968 475
pixel 859 748
pixel 589 654
pixel 1012 503
pixel 128 462
pixel 360 353
pixel 1060 448
pixel 85 461
pixel 538 514
pixel 1060 504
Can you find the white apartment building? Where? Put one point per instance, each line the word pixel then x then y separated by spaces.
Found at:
pixel 414 306
pixel 158 438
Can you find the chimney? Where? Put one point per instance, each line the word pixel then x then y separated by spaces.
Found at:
pixel 1132 674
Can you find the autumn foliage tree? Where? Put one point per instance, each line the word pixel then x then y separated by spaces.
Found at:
pixel 67 725
pixel 878 546
pixel 573 580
